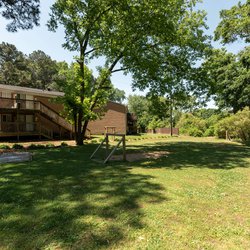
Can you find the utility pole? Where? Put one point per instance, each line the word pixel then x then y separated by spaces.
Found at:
pixel 171 119
pixel 171 114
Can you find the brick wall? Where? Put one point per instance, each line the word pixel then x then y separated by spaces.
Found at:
pixel 116 116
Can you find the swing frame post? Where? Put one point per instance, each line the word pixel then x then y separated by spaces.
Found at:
pixel 106 141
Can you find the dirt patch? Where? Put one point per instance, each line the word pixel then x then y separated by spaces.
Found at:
pixel 140 156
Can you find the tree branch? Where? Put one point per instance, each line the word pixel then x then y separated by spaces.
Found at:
pixel 111 67
pixel 90 51
pixel 102 13
pixel 117 70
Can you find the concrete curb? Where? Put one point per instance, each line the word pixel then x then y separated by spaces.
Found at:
pixel 15 157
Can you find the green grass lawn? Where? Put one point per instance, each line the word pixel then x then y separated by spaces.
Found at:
pixel 196 197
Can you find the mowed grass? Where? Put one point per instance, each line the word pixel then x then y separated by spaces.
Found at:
pixel 196 197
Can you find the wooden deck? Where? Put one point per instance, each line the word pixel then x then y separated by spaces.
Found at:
pixel 10 134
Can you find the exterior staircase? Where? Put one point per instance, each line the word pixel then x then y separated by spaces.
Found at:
pixel 18 128
pixel 55 117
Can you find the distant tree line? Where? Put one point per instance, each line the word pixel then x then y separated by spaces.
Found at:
pixel 38 70
pixel 190 118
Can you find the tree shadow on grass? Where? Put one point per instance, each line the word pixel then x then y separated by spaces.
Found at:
pixel 60 199
pixel 197 154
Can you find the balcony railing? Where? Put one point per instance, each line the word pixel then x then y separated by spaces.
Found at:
pixel 22 127
pixel 20 104
pixel 55 116
pixel 12 103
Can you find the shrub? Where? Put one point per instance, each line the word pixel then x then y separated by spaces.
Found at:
pixel 210 131
pixel 195 132
pixel 237 125
pixel 3 146
pixel 17 146
pixel 191 125
pixel 64 144
pixel 157 123
pixel 36 146
pixel 50 145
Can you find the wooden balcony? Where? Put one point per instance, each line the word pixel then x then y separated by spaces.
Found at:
pixel 23 106
pixel 24 129
pixel 20 104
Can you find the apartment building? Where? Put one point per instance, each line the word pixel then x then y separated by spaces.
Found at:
pixel 27 112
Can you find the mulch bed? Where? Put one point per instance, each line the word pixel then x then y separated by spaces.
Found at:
pixel 7 151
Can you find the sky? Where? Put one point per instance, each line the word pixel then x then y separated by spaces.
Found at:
pixel 39 38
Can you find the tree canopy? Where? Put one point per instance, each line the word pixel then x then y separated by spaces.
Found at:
pixel 36 70
pixel 13 66
pixel 22 14
pixel 235 23
pixel 43 70
pixel 70 80
pixel 130 34
pixel 117 95
pixel 229 78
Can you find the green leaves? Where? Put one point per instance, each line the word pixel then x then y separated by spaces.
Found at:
pixel 237 126
pixel 157 41
pixel 37 70
pixel 94 98
pixel 43 70
pixel 23 14
pixel 235 24
pixel 229 78
pixel 13 66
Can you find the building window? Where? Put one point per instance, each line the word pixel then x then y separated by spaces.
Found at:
pixel 7 118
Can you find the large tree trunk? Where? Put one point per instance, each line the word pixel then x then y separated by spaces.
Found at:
pixel 75 126
pixel 84 128
pixel 79 135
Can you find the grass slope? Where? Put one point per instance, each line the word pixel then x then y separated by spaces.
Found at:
pixel 195 198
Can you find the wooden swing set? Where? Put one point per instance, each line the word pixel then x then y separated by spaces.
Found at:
pixel 106 142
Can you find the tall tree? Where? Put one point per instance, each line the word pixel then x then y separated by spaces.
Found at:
pixel 139 106
pixel 37 70
pixel 235 23
pixel 13 66
pixel 70 83
pixel 23 14
pixel 229 78
pixel 43 70
pixel 123 32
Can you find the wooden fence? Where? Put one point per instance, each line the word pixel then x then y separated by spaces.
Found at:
pixel 163 131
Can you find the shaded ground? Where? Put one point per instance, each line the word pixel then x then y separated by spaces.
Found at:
pixel 195 198
pixel 61 198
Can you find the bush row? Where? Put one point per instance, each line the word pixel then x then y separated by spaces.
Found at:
pixel 133 138
pixel 31 146
pixel 237 126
